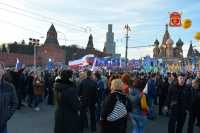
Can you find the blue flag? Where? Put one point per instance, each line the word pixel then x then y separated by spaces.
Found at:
pixel 18 65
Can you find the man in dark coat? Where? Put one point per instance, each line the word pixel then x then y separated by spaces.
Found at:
pixel 88 93
pixel 50 87
pixel 179 102
pixel 16 82
pixel 195 106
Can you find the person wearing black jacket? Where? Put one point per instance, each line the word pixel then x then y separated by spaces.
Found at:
pixel 51 81
pixel 108 106
pixel 195 107
pixel 179 102
pixel 30 88
pixel 67 104
pixel 16 82
pixel 163 87
pixel 88 93
pixel 143 80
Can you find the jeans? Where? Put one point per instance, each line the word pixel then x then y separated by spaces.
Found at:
pixel 177 118
pixel 150 104
pixel 139 123
pixel 5 130
pixel 98 109
pixel 37 99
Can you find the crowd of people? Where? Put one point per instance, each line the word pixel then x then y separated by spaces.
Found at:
pixel 94 95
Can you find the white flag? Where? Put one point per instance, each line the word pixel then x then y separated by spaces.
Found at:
pixel 94 63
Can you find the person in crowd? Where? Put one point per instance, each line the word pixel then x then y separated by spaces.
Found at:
pixel 174 78
pixel 115 76
pixel 15 74
pixel 30 88
pixel 45 75
pixel 179 102
pixel 105 82
pixel 67 104
pixel 151 95
pixel 108 106
pixel 197 77
pixel 158 80
pixel 51 81
pixel 100 86
pixel 88 93
pixel 126 79
pixel 9 102
pixel 38 83
pixel 143 80
pixel 23 85
pixel 163 87
pixel 139 107
pixel 169 78
pixel 195 105
pixel 189 80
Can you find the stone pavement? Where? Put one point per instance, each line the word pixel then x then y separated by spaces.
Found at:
pixel 27 120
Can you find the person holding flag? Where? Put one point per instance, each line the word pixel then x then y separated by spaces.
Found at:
pixel 15 75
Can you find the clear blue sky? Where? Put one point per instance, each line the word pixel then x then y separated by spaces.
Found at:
pixel 77 19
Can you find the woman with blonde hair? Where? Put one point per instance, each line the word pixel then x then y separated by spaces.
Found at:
pixel 108 106
pixel 38 83
pixel 115 76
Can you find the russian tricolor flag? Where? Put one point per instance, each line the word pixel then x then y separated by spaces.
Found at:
pixel 18 65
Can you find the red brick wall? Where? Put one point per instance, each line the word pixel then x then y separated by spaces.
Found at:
pixel 51 51
pixel 10 59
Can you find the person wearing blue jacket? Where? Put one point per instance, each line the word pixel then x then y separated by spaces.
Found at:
pixel 151 95
pixel 100 86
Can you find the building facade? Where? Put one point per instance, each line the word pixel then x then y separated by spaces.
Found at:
pixel 166 50
pixel 110 45
pixel 51 50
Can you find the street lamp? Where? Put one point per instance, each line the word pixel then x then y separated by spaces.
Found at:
pixel 127 28
pixel 73 55
pixel 34 42
pixel 65 47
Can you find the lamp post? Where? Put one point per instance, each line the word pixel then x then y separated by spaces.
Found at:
pixel 73 55
pixel 34 42
pixel 65 47
pixel 127 28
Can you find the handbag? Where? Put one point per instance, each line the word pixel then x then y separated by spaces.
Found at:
pixel 118 112
pixel 146 89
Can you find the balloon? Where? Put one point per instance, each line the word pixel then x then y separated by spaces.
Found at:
pixel 197 36
pixel 186 23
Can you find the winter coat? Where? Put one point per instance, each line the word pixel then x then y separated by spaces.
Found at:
pixel 181 94
pixel 67 107
pixel 163 88
pixel 8 103
pixel 30 85
pixel 88 91
pixel 38 84
pixel 107 108
pixel 15 78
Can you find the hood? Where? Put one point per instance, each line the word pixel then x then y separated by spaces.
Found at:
pixel 60 86
pixel 134 91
